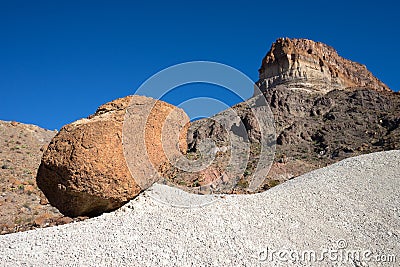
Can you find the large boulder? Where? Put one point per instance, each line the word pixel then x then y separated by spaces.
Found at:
pixel 90 165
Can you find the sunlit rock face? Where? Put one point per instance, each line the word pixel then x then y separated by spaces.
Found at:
pixel 313 66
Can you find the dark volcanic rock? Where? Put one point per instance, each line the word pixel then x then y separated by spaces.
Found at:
pixel 315 129
pixel 336 125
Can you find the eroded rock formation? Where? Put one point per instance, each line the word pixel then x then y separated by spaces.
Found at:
pixel 302 63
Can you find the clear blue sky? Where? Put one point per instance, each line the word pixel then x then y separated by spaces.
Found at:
pixel 60 60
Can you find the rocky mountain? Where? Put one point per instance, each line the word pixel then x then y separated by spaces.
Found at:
pixel 326 108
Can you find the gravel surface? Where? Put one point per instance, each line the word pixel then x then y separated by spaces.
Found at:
pixel 351 208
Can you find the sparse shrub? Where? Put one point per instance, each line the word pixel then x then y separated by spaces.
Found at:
pixel 243 183
pixel 196 183
pixel 18 220
pixel 273 183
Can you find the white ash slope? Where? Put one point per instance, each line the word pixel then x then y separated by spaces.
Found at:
pixel 355 202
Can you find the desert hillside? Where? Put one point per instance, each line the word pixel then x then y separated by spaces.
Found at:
pixel 22 205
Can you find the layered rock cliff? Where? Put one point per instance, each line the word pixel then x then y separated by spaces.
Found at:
pixel 302 63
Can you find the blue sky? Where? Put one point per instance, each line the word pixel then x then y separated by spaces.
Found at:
pixel 60 60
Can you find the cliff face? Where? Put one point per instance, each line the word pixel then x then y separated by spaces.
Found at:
pixel 302 63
